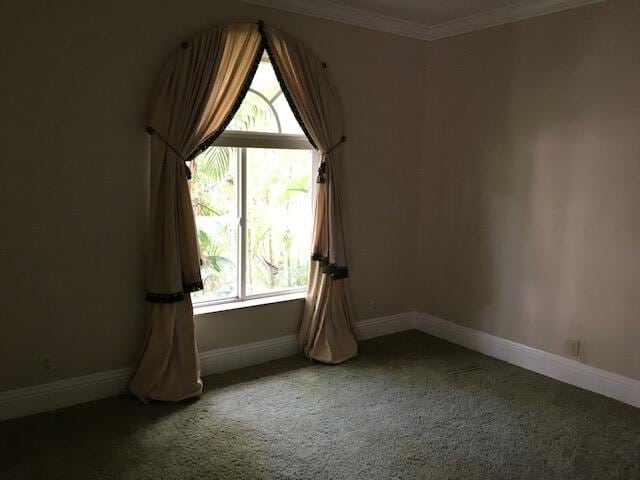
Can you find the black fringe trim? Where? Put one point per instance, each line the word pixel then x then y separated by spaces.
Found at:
pixel 285 91
pixel 193 286
pixel 165 297
pixel 177 296
pixel 236 105
pixel 336 272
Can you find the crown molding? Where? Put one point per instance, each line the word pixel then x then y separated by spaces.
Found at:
pixel 329 10
pixel 504 15
pixel 351 16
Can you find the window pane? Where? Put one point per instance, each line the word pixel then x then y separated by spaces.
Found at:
pixel 214 193
pixel 279 197
pixel 288 122
pixel 265 108
pixel 254 115
pixel 265 80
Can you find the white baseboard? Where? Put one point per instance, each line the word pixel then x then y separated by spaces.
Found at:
pixel 612 385
pixel 378 327
pixel 230 358
pixel 63 393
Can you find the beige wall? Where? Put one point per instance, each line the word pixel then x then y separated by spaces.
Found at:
pixel 530 190
pixel 523 176
pixel 73 89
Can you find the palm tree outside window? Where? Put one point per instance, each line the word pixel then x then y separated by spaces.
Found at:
pixel 252 194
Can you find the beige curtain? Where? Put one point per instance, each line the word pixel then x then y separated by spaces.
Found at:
pixel 198 90
pixel 325 332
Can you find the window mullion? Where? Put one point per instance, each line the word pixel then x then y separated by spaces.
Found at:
pixel 243 224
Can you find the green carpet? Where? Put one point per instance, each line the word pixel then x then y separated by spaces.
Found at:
pixel 409 407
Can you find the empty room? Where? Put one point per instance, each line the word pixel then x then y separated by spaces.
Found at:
pixel 330 239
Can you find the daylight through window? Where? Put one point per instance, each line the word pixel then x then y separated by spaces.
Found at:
pixel 252 199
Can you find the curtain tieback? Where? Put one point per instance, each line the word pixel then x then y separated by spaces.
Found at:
pixel 322 169
pixel 187 170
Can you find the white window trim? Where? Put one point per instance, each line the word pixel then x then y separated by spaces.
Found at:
pixel 205 308
pixel 262 140
pixel 243 140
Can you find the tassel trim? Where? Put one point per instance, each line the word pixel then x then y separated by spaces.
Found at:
pixel 335 271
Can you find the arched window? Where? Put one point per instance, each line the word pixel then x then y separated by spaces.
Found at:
pixel 265 108
pixel 252 198
pixel 217 107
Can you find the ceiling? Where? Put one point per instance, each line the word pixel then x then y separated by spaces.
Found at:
pixel 424 19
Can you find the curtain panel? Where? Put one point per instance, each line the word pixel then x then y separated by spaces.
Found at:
pixel 326 333
pixel 198 91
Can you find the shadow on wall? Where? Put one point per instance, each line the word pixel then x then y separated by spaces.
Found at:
pixel 519 126
pixel 528 173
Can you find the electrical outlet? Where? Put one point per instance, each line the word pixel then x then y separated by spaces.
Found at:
pixel 374 306
pixel 46 363
pixel 574 347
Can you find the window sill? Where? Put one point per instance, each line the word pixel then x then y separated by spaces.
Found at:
pixel 254 302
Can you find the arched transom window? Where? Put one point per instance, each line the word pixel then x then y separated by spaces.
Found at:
pixel 265 108
pixel 252 199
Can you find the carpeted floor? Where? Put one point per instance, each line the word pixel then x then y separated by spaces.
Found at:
pixel 409 407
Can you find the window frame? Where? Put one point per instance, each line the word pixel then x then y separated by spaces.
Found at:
pixel 242 140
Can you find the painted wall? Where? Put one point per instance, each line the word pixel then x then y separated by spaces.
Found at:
pixel 74 86
pixel 523 174
pixel 530 190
